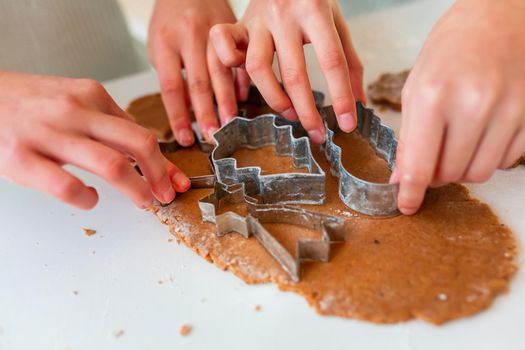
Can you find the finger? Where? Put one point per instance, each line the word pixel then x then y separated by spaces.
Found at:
pixel 421 147
pixel 172 89
pixel 92 156
pixel 332 60
pixel 355 67
pixel 33 170
pixel 230 42
pixel 515 150
pixel 178 178
pixel 459 135
pixel 199 88
pixel 138 142
pixel 292 66
pixel 223 86
pixel 491 149
pixel 242 84
pixel 259 60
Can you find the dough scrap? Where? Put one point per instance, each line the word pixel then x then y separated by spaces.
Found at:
pixel 448 261
pixel 386 90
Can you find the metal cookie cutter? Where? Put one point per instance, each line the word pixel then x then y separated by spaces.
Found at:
pixel 376 199
pixel 331 228
pixel 268 130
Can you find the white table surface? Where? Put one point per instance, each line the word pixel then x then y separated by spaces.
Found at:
pixel 45 256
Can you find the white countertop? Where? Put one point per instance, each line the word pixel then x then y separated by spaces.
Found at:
pixel 45 257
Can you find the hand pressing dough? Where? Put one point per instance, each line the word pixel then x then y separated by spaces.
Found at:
pixel 386 90
pixel 448 261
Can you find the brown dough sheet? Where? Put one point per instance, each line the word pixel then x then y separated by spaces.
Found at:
pixel 448 261
pixel 386 90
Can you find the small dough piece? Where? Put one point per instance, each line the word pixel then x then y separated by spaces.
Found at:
pixel 185 330
pixel 386 90
pixel 448 261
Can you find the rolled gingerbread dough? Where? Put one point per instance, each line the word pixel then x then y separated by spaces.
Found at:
pixel 448 261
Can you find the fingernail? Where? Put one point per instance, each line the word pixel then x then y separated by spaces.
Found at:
pixel 290 114
pixel 168 195
pixel 181 181
pixel 408 211
pixel 316 136
pixel 346 122
pixel 211 131
pixel 186 137
pixel 147 204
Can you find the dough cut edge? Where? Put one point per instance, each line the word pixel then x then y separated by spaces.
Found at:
pixel 211 258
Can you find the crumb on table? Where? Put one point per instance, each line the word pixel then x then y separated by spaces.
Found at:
pixel 258 307
pixel 185 330
pixel 75 292
pixel 89 232
pixel 118 333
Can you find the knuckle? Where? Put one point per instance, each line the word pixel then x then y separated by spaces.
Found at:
pixel 115 167
pixel 474 102
pixel 218 69
pixel 199 85
pixel 429 97
pixel 416 176
pixel 149 143
pixel 91 89
pixel 193 25
pixel 171 86
pixel 255 64
pixel 332 60
pixel 277 5
pixel 292 77
pixel 66 103
pixel 218 31
pixel 315 6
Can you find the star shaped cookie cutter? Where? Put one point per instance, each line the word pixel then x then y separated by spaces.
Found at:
pixel 331 228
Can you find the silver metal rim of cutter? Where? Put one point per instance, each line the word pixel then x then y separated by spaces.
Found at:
pixel 241 185
pixel 370 198
pixel 268 130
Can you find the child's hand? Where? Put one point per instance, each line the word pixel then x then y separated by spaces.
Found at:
pixel 178 37
pixel 48 122
pixel 282 26
pixel 464 101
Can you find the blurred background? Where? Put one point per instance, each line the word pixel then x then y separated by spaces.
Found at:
pixel 99 39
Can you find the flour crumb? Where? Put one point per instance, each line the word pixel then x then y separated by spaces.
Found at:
pixel 442 297
pixel 258 308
